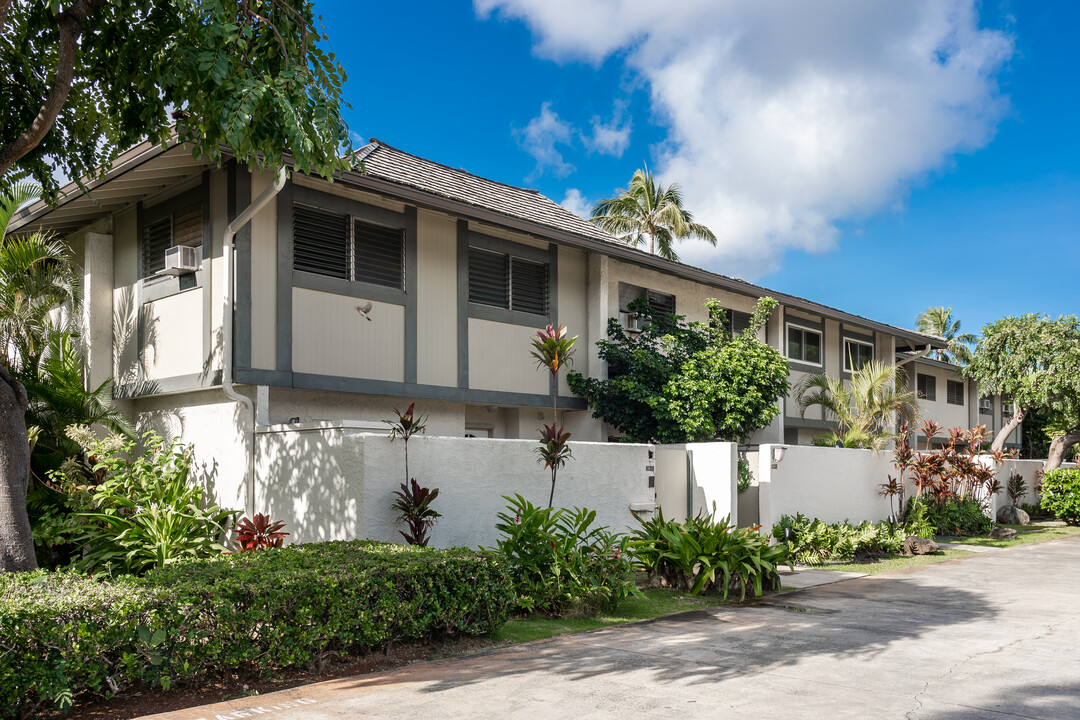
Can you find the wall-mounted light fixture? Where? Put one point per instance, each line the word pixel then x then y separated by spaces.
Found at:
pixel 778 452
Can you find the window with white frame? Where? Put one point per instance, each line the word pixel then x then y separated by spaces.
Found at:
pixel 804 344
pixel 926 387
pixel 857 354
pixel 954 392
pixel 340 246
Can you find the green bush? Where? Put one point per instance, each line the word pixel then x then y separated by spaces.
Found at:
pixel 251 613
pixel 558 561
pixel 814 541
pixel 951 514
pixel 1061 494
pixel 145 513
pixel 703 556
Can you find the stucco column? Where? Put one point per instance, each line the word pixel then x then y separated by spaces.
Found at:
pixel 97 308
pixel 596 310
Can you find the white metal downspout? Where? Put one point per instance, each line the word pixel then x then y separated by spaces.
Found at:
pixel 227 319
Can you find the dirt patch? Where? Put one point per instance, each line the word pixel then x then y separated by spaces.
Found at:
pixel 139 701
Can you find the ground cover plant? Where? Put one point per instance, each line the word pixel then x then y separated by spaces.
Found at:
pixel 1061 494
pixel 559 561
pixel 812 542
pixel 292 607
pixel 703 555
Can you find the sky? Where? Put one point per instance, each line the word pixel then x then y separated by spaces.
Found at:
pixel 879 157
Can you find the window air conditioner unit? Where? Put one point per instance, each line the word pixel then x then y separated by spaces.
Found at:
pixel 182 259
pixel 631 322
pixel 985 406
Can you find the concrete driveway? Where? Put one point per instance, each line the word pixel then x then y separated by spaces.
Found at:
pixel 991 636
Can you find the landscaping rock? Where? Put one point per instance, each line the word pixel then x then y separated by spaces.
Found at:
pixel 1012 515
pixel 1003 533
pixel 915 545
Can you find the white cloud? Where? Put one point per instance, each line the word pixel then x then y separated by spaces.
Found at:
pixel 539 139
pixel 783 117
pixel 576 203
pixel 608 139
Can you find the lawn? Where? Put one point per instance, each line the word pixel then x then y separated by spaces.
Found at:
pixel 1027 534
pixel 654 603
pixel 898 562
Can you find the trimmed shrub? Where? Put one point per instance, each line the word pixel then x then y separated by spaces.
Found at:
pixel 814 541
pixel 1061 494
pixel 250 613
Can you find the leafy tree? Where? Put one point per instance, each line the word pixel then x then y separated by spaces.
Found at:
pixel 1034 361
pixel 85 79
pixel 679 381
pixel 865 408
pixel 939 321
pixel 649 211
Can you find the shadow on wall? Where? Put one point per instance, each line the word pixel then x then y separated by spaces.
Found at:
pixel 312 480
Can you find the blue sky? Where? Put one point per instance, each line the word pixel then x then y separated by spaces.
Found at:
pixel 877 157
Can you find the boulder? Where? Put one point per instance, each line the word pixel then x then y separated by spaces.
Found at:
pixel 915 545
pixel 1003 533
pixel 1012 515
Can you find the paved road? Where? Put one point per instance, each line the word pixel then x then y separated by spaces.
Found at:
pixel 991 636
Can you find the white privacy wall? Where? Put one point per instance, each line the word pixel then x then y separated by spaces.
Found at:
pixel 337 483
pixel 831 484
pixel 712 484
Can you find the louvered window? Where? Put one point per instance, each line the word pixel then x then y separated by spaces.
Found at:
pixel 737 321
pixel 926 387
pixel 954 392
pixel 380 254
pixel 339 246
pixel 500 280
pixel 660 303
pixel 183 227
pixel 320 242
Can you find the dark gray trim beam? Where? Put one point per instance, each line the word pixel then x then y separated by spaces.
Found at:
pixel 412 294
pixel 349 288
pixel 511 317
pixel 509 247
pixel 285 279
pixel 242 301
pixel 347 206
pixel 797 422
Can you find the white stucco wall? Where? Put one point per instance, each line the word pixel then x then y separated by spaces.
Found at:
pixel 831 484
pixel 338 482
pixel 713 481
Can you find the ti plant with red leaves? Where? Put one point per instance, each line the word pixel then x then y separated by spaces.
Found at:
pixel 414 503
pixel 553 351
pixel 405 426
pixel 259 533
pixel 554 451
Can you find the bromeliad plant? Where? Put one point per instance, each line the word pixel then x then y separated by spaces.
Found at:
pixel 414 502
pixel 553 351
pixel 259 533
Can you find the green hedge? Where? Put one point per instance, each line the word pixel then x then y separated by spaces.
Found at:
pixel 1061 494
pixel 253 612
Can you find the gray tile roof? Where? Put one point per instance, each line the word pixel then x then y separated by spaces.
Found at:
pixel 388 163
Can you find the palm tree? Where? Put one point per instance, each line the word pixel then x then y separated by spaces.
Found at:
pixel 939 321
pixel 864 409
pixel 22 192
pixel 648 210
